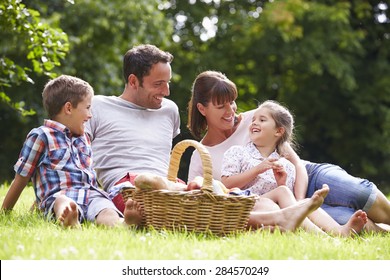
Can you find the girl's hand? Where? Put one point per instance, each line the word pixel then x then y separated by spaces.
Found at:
pixel 265 165
pixel 280 174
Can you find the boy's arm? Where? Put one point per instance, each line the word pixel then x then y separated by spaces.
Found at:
pixel 13 194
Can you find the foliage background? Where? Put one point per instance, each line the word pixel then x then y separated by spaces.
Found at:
pixel 328 61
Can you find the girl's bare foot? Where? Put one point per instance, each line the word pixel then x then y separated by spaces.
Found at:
pixel 133 212
pixel 294 215
pixel 289 218
pixel 69 216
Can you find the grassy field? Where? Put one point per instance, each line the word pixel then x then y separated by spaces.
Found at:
pixel 27 236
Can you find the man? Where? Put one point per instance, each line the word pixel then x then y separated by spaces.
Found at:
pixel 133 133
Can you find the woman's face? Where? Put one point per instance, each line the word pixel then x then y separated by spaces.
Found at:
pixel 220 116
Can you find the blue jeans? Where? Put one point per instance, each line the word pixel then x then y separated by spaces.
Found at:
pixel 347 193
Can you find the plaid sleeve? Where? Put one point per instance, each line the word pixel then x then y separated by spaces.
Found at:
pixel 30 155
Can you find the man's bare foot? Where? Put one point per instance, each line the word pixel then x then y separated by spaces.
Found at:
pixel 69 216
pixel 294 215
pixel 355 224
pixel 149 181
pixel 133 213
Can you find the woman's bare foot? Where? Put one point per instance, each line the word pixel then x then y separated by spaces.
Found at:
pixel 370 226
pixel 69 216
pixel 133 213
pixel 355 224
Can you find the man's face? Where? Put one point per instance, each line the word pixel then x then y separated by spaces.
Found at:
pixel 155 86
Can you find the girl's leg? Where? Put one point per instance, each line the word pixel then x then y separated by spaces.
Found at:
pixel 354 225
pixel 289 218
pixel 66 212
pixel 284 197
pixel 281 196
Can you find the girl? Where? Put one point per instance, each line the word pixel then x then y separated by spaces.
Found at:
pixel 258 166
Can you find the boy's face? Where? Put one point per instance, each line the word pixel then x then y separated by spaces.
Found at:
pixel 80 115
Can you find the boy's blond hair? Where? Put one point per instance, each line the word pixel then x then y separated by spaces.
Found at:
pixel 64 89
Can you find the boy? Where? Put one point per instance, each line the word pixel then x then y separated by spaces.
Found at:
pixel 57 157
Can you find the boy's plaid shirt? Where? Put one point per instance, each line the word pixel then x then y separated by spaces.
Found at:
pixel 56 161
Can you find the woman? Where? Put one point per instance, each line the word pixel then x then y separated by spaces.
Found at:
pixel 212 114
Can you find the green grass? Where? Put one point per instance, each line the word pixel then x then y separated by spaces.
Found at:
pixel 27 236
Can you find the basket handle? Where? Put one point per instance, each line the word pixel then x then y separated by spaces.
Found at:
pixel 176 154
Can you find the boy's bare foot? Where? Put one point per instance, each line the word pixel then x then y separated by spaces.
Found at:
pixel 133 213
pixel 70 216
pixel 355 224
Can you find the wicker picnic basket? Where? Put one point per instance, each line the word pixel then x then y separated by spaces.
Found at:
pixel 197 210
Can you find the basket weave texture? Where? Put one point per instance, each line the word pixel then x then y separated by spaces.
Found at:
pixel 197 210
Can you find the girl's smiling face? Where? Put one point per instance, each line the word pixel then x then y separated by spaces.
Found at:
pixel 263 130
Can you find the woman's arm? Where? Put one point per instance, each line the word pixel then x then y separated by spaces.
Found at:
pixel 13 194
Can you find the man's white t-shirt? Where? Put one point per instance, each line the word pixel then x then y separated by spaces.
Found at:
pixel 127 138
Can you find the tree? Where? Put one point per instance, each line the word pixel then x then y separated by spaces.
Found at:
pixel 28 45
